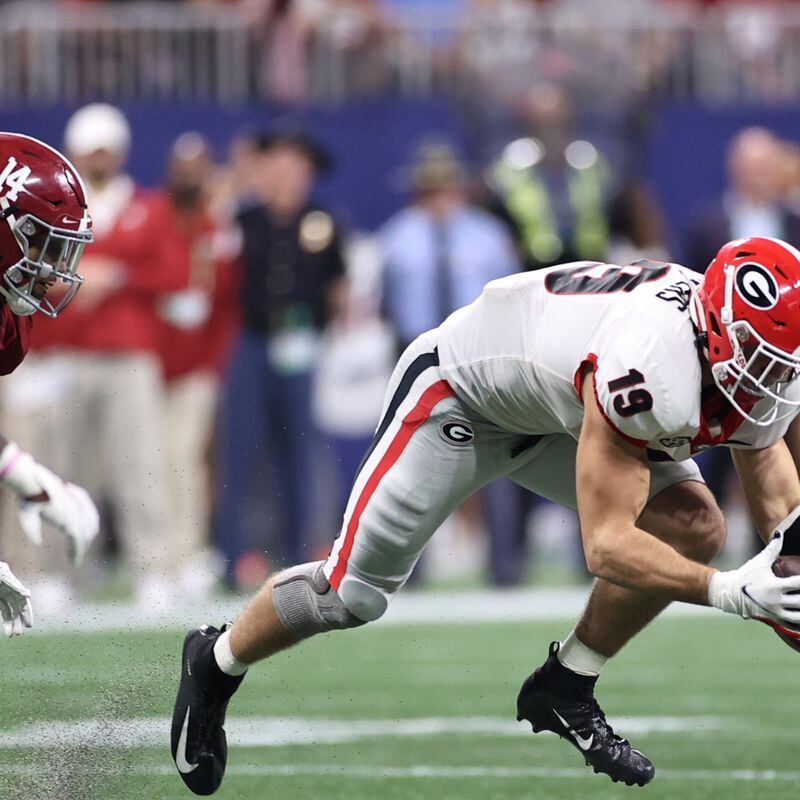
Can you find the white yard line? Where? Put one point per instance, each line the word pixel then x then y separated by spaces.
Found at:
pixel 430 771
pixel 282 731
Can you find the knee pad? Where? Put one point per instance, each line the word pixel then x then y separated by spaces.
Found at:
pixel 362 599
pixel 307 604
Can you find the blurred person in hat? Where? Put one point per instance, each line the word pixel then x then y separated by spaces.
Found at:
pixel 441 249
pixel 292 268
pixel 439 252
pixel 106 353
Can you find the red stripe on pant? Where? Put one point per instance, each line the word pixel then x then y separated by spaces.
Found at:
pixel 415 418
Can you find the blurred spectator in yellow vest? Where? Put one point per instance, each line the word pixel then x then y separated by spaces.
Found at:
pixel 551 186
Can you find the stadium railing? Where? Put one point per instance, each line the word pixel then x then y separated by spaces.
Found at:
pixel 173 52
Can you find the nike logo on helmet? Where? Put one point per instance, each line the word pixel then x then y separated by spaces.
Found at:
pixel 584 744
pixel 181 762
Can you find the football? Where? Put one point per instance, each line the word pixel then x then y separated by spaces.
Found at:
pixel 784 567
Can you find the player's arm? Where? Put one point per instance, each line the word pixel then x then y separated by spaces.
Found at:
pixel 613 482
pixel 792 439
pixel 612 487
pixel 771 485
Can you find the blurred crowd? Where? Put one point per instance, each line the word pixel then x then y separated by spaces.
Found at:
pixel 298 50
pixel 218 378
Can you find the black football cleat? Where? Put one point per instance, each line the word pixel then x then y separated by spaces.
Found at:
pixel 556 699
pixel 199 746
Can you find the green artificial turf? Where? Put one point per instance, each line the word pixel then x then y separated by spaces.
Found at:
pixel 738 674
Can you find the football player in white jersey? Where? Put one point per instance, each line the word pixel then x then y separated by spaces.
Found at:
pixel 592 385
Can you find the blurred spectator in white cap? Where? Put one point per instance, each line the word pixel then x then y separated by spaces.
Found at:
pixel 98 127
pixel 106 351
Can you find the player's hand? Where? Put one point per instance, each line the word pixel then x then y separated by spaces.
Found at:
pixel 68 508
pixel 754 592
pixel 15 603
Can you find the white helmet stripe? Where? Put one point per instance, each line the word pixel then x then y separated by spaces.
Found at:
pixel 726 312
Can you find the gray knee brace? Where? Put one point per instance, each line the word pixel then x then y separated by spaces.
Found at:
pixel 307 604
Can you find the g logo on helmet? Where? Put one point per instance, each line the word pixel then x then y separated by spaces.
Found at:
pixel 757 286
pixel 457 433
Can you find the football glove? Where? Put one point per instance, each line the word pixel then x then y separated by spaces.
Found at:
pixel 65 506
pixel 754 592
pixel 15 603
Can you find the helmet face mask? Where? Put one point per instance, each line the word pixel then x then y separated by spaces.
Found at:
pixel 749 311
pixel 755 372
pixel 49 256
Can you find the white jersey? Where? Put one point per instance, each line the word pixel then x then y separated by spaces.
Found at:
pixel 514 356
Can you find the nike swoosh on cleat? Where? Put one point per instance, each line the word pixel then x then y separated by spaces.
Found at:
pixel 584 744
pixel 184 767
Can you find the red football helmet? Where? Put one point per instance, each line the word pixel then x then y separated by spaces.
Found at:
pixel 750 316
pixel 43 203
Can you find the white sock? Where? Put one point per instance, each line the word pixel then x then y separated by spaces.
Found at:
pixel 225 658
pixel 576 656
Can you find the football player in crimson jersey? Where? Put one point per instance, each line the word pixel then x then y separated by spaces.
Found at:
pixel 44 226
pixel 590 384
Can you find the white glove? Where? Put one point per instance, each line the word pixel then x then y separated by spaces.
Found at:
pixel 754 592
pixel 15 603
pixel 69 509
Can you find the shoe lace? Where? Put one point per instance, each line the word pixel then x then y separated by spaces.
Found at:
pixel 616 739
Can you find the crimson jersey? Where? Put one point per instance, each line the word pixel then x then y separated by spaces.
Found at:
pixel 515 356
pixel 15 333
pixel 137 237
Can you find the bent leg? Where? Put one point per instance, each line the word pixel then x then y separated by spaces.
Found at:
pixel 412 478
pixel 293 605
